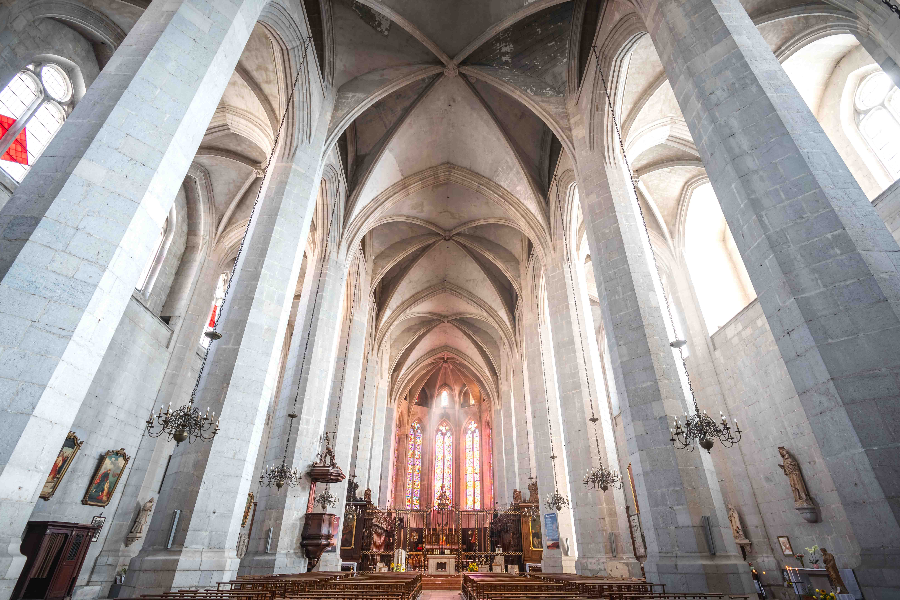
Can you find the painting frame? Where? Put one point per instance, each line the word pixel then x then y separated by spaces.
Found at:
pixel 784 542
pixel 69 449
pixel 92 496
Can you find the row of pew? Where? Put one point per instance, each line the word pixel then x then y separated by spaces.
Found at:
pixel 559 586
pixel 307 586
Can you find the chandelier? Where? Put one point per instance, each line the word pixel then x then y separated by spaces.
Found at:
pixel 697 427
pixel 703 430
pixel 326 499
pixel 183 423
pixel 557 501
pixel 186 422
pixel 281 475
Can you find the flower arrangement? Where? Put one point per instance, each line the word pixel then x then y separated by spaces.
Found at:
pixel 397 567
pixel 812 556
pixel 823 595
pixel 472 568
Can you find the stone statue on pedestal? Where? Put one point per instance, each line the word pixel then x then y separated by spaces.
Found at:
pixel 803 502
pixel 137 530
pixel 736 530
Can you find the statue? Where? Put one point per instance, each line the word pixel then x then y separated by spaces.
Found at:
pixel 791 468
pixel 367 496
pixel 803 502
pixel 137 530
pixel 533 497
pixel 834 576
pixel 517 497
pixel 736 530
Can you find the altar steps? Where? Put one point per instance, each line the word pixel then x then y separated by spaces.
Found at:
pixel 442 582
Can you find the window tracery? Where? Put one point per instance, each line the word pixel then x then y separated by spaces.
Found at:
pixel 414 466
pixel 443 460
pixel 877 105
pixel 473 466
pixel 33 107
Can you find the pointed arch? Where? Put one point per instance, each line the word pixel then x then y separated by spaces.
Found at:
pixel 414 465
pixel 443 460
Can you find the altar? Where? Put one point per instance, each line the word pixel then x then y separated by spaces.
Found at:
pixel 441 564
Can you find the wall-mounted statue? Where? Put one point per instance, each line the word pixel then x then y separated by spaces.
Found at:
pixel 803 502
pixel 736 530
pixel 137 530
pixel 533 497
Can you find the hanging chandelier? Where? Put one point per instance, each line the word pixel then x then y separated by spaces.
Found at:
pixel 557 501
pixel 698 428
pixel 186 422
pixel 281 475
pixel 326 499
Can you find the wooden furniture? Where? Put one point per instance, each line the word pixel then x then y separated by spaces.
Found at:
pixel 54 553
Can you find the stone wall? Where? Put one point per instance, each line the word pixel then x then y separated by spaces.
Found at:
pixel 759 393
pixel 111 417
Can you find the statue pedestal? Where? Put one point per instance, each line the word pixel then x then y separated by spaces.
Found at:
pixel 441 564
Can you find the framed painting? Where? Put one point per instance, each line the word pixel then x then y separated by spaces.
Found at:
pixel 68 451
pixel 348 533
pixel 785 543
pixel 106 478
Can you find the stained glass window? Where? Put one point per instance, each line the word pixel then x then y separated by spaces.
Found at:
pixel 473 466
pixel 414 465
pixel 443 460
pixel 445 398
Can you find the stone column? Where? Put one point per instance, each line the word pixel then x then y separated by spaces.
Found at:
pixel 537 398
pixel 498 446
pixel 674 488
pixel 521 418
pixel 345 393
pixel 387 456
pixel 75 234
pixel 307 383
pixel 208 481
pixel 362 446
pixel 381 429
pixel 594 512
pixel 824 266
pixel 510 461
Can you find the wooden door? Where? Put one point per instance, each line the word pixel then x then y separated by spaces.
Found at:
pixel 69 565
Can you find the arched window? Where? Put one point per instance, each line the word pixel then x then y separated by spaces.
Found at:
pixel 413 465
pixel 878 118
pixel 717 271
pixel 443 460
pixel 32 109
pixel 473 466
pixel 445 398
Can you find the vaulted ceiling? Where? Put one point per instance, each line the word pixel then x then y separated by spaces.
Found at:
pixel 444 124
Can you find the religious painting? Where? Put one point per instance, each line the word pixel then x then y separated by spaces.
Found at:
pixel 247 508
pixel 68 451
pixel 106 478
pixel 534 530
pixel 97 522
pixel 785 544
pixel 551 530
pixel 349 532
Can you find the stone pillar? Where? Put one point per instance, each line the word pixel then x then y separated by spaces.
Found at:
pixel 307 382
pixel 381 428
pixel 507 419
pixel 824 266
pixel 498 446
pixel 78 229
pixel 208 481
pixel 594 512
pixel 362 446
pixel 345 391
pixel 387 456
pixel 537 398
pixel 674 488
pixel 521 418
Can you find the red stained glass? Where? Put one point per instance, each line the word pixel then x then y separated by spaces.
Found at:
pixel 414 465
pixel 18 150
